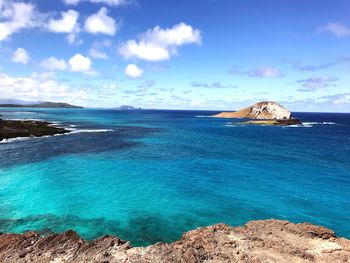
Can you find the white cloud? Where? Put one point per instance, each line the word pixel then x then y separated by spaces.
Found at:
pixel 38 87
pixel 20 56
pixel 144 50
pixel 66 24
pixel 101 23
pixel 111 2
pixel 178 35
pixel 79 63
pixel 15 16
pixel 160 44
pixel 336 28
pixel 71 2
pixel 53 63
pixel 133 71
pixel 107 2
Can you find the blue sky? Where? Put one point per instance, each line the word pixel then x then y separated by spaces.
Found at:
pixel 183 54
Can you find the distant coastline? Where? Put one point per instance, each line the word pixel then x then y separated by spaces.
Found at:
pixel 58 105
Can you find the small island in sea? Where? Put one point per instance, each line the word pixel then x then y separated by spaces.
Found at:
pixel 262 113
pixel 127 107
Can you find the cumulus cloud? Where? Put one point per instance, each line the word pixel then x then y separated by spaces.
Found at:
pixel 53 63
pixel 15 16
pixel 314 83
pixel 159 44
pixel 106 2
pixel 133 71
pixel 214 85
pixel 20 56
pixel 68 23
pixel 337 29
pixel 260 72
pixel 101 23
pixel 79 63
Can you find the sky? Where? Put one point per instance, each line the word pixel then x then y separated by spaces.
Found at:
pixel 177 54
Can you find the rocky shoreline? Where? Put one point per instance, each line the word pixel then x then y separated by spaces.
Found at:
pixel 257 241
pixel 29 128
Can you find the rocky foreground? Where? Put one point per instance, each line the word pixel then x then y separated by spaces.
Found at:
pixel 257 241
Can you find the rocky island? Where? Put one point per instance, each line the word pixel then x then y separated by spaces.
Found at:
pixel 263 113
pixel 127 107
pixel 257 241
pixel 13 129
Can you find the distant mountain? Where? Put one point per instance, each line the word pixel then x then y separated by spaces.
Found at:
pixel 40 105
pixel 127 107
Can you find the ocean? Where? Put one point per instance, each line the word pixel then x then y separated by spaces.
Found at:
pixel 150 175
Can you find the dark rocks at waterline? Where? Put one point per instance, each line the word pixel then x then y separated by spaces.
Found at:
pixel 281 122
pixel 13 129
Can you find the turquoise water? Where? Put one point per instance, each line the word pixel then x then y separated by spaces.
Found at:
pixel 148 176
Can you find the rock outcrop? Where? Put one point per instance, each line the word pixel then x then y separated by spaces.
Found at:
pixel 261 110
pixel 13 129
pixel 257 241
pixel 127 107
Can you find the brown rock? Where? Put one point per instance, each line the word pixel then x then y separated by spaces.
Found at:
pixel 266 110
pixel 257 241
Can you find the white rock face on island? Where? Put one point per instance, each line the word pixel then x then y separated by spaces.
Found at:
pixel 265 110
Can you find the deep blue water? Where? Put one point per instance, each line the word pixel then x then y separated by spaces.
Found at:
pixel 148 176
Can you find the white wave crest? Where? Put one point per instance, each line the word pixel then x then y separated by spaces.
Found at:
pixel 71 131
pixel 74 130
pixel 310 124
pixel 17 139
